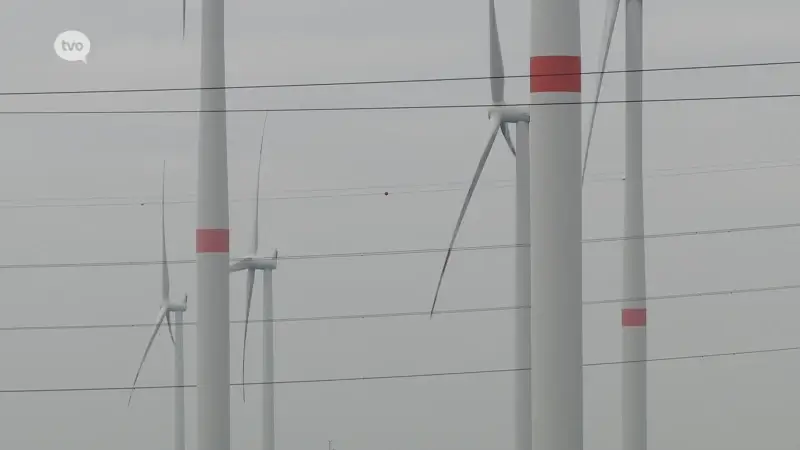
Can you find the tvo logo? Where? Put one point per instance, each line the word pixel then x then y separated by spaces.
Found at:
pixel 72 46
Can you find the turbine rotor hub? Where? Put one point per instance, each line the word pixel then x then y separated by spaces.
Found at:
pixel 509 114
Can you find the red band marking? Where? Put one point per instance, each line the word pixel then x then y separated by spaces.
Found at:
pixel 634 317
pixel 213 241
pixel 555 74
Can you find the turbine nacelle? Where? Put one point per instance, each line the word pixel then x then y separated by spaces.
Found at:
pixel 509 114
pixel 173 306
pixel 256 263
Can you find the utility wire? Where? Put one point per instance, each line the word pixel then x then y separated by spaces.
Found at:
pixel 598 177
pixel 398 376
pixel 386 190
pixel 259 383
pixel 286 257
pixel 310 256
pixel 398 314
pixel 394 81
pixel 394 107
pixel 695 233
pixel 699 356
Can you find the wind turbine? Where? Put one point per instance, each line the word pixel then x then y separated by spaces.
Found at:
pixel 634 314
pixel 500 115
pixel 167 307
pixel 556 312
pixel 251 264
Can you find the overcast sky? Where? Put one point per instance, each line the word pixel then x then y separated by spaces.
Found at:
pixel 736 403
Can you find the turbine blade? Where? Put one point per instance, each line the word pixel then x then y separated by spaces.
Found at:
pixel 496 71
pixel 161 314
pixel 183 22
pixel 475 178
pixel 507 137
pixel 612 8
pixel 169 328
pixel 251 276
pixel 164 268
pixel 258 187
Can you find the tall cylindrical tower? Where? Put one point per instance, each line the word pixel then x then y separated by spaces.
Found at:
pixel 634 313
pixel 213 240
pixel 556 255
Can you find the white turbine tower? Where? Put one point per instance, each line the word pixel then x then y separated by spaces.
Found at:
pixel 213 239
pixel 500 116
pixel 556 254
pixel 251 264
pixel 167 307
pixel 634 313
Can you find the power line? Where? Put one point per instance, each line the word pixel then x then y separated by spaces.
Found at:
pixel 276 320
pixel 700 356
pixel 597 177
pixel 259 383
pixel 398 376
pixel 386 190
pixel 398 314
pixel 753 290
pixel 288 257
pixel 695 233
pixel 395 107
pixel 310 256
pixel 388 81
pixel 144 202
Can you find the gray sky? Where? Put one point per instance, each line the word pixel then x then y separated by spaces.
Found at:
pixel 734 403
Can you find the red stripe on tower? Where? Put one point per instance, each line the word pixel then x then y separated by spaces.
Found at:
pixel 634 317
pixel 213 241
pixel 555 74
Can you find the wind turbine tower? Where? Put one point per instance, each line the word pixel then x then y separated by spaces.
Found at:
pixel 634 276
pixel 213 239
pixel 634 315
pixel 555 207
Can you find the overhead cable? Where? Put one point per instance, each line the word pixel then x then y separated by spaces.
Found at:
pixel 398 376
pixel 413 251
pixel 399 314
pixel 385 190
pixel 393 107
pixel 394 81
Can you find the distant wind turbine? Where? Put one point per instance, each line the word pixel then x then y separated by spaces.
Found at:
pixel 251 264
pixel 634 313
pixel 167 307
pixel 500 115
